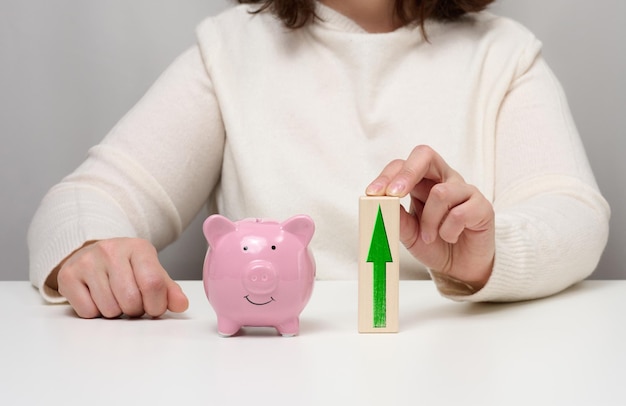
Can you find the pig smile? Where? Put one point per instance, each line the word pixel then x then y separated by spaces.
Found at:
pixel 259 304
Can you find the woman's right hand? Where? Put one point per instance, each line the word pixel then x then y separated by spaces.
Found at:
pixel 118 276
pixel 450 226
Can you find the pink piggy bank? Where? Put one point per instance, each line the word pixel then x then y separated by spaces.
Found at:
pixel 258 272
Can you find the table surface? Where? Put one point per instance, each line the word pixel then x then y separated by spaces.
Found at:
pixel 569 349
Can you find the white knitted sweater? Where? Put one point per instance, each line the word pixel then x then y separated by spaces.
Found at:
pixel 262 121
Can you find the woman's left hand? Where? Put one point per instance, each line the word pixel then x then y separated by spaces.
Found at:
pixel 450 224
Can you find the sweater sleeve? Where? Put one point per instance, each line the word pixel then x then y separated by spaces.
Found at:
pixel 551 220
pixel 147 178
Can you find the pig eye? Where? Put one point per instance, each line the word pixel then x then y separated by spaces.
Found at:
pixel 273 248
pixel 245 248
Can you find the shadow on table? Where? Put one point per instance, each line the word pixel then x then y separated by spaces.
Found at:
pixel 467 310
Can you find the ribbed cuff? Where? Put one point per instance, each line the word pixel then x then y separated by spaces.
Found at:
pixel 67 218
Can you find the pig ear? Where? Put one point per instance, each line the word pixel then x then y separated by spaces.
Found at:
pixel 301 226
pixel 215 227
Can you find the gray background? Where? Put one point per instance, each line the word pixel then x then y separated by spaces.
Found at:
pixel 69 70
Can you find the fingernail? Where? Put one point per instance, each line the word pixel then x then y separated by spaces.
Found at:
pixel 396 189
pixel 427 238
pixel 374 189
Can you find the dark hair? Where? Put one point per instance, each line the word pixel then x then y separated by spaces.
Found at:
pixel 297 13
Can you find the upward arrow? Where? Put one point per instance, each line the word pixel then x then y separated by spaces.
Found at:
pixel 379 254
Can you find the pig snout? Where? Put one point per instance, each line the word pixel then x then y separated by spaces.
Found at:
pixel 260 278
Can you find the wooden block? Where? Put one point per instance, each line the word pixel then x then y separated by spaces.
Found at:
pixel 379 270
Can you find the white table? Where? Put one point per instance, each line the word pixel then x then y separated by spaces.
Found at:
pixel 569 349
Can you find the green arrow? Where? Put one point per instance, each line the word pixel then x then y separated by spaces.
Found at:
pixel 379 254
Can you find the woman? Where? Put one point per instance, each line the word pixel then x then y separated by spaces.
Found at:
pixel 297 106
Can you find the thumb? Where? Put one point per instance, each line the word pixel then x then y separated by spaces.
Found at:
pixel 177 302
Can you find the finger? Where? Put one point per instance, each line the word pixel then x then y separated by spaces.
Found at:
pixel 409 224
pixel 473 215
pixel 443 198
pixel 429 255
pixel 77 295
pixel 97 282
pixel 380 184
pixel 177 302
pixel 421 191
pixel 151 280
pixel 80 276
pixel 422 163
pixel 125 289
pixel 94 263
